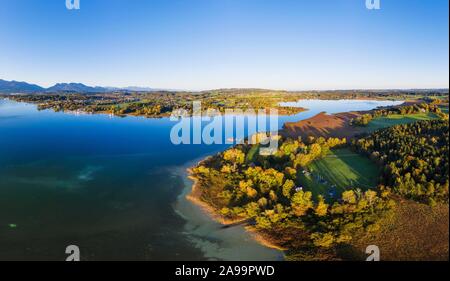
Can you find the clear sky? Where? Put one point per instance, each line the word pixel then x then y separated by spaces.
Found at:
pixel 205 44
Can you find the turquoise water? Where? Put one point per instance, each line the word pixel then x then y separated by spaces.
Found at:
pixel 110 186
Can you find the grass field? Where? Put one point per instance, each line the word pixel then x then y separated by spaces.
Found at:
pixel 252 154
pixel 391 120
pixel 342 168
pixel 444 108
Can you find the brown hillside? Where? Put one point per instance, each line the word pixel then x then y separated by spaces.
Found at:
pixel 323 125
pixel 416 232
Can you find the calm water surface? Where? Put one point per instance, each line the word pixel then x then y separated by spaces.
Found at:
pixel 112 186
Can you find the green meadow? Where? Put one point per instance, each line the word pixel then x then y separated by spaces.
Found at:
pixel 341 168
pixel 396 119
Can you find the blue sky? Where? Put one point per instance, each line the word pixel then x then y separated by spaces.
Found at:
pixel 205 44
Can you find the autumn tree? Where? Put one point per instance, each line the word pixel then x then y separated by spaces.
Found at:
pixel 321 207
pixel 301 202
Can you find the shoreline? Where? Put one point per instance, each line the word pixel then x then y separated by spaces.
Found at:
pixel 205 228
pixel 282 110
pixel 264 239
pixel 285 110
pixel 194 196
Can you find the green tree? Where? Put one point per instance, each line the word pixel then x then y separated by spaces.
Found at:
pixel 322 207
pixel 301 202
pixel 324 240
pixel 287 188
pixel 234 156
pixel 349 196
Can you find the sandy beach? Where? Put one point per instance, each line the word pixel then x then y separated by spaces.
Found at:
pixel 204 227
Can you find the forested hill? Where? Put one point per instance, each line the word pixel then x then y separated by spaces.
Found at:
pixel 414 158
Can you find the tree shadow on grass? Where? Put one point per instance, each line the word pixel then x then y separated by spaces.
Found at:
pixel 361 170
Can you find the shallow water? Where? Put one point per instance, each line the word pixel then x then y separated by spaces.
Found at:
pixel 334 106
pixel 112 186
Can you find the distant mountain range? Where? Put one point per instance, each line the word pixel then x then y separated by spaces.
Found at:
pixel 18 87
pixel 10 87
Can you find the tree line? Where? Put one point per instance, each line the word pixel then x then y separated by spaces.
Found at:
pixel 365 119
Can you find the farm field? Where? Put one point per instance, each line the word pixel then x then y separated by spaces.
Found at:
pixel 338 171
pixel 392 120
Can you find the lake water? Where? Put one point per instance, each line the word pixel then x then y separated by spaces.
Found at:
pixel 112 186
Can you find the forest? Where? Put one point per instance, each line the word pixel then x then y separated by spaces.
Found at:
pixel 414 158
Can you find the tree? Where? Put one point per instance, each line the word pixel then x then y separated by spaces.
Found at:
pixel 226 169
pixel 252 209
pixel 290 172
pixel 234 156
pixel 322 207
pixel 202 170
pixel 370 196
pixel 315 150
pixel 324 240
pixel 273 197
pixel 262 202
pixel 287 188
pixel 302 160
pixel 301 202
pixel 269 179
pixel 247 188
pixel 349 196
pixel 263 222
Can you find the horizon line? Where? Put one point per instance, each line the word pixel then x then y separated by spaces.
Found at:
pixel 240 88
